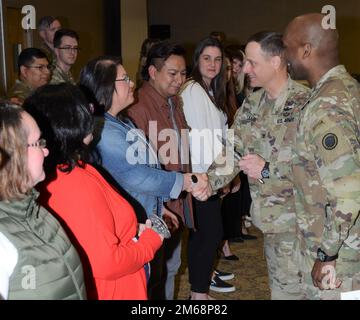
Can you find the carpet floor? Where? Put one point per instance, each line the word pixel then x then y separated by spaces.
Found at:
pixel 251 280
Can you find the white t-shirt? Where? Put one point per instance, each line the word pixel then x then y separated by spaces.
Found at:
pixel 206 123
pixel 8 261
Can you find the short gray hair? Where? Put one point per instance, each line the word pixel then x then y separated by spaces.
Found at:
pixel 45 22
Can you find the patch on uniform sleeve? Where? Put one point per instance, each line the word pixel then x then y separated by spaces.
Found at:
pixel 330 141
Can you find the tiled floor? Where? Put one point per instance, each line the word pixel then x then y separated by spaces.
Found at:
pixel 250 271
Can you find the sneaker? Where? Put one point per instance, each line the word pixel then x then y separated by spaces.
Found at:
pixel 247 224
pixel 219 285
pixel 224 275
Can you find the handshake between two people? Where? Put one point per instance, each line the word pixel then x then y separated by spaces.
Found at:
pixel 198 185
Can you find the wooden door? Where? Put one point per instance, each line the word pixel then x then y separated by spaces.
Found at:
pixel 15 42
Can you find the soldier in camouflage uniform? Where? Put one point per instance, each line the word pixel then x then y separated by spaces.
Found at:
pixel 264 128
pixel 34 72
pixel 47 27
pixel 66 50
pixel 327 162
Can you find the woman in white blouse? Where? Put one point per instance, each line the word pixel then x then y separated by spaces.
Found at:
pixel 206 112
pixel 8 261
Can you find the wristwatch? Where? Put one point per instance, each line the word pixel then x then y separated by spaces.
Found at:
pixel 159 226
pixel 265 172
pixel 323 257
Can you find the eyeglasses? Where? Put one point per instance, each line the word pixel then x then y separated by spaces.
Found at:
pixel 70 49
pixel 126 79
pixel 42 67
pixel 41 143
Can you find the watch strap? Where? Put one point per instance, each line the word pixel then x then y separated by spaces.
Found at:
pixel 323 257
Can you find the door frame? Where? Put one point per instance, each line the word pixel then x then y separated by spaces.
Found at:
pixel 3 65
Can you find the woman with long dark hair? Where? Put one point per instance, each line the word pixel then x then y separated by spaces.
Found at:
pixel 207 114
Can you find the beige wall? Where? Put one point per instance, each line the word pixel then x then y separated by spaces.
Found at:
pixel 84 16
pixel 191 20
pixel 133 32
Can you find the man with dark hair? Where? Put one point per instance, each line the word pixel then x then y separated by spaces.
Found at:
pixel 264 131
pixel 326 163
pixel 34 72
pixel 66 47
pixel 48 25
pixel 219 35
pixel 164 73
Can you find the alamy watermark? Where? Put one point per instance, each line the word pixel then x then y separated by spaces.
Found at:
pixel 28 282
pixel 329 21
pixel 329 281
pixel 205 147
pixel 29 20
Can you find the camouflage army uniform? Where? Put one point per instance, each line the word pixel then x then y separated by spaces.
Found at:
pixel 20 91
pixel 268 128
pixel 327 179
pixel 49 54
pixel 59 76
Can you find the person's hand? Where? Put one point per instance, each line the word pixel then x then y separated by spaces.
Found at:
pixel 17 101
pixel 252 165
pixel 324 275
pixel 235 184
pixel 224 191
pixel 201 190
pixel 187 185
pixel 142 227
pixel 170 219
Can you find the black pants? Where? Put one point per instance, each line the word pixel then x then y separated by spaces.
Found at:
pixel 204 242
pixel 231 215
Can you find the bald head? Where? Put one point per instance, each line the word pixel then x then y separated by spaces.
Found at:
pixel 308 29
pixel 311 50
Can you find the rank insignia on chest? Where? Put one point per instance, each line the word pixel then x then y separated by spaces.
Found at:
pixel 288 107
pixel 285 120
pixel 330 141
pixel 250 117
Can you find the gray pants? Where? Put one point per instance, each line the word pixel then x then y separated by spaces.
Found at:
pixel 173 263
pixel 164 268
pixel 284 275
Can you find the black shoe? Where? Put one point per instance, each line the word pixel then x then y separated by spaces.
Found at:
pixel 237 239
pixel 219 285
pixel 224 275
pixel 232 257
pixel 248 237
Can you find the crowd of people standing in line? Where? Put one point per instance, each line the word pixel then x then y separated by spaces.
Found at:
pixel 84 178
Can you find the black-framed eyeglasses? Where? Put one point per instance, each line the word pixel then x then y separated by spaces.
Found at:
pixel 41 143
pixel 42 67
pixel 70 49
pixel 126 79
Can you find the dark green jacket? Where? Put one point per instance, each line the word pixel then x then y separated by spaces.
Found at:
pixel 48 265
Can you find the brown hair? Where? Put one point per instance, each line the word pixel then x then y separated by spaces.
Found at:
pixel 14 176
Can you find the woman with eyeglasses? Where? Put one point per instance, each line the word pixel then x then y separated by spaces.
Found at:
pixel 34 72
pixel 37 256
pixel 123 150
pixel 102 224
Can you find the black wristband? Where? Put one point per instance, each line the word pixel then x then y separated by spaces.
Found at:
pixel 265 172
pixel 323 257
